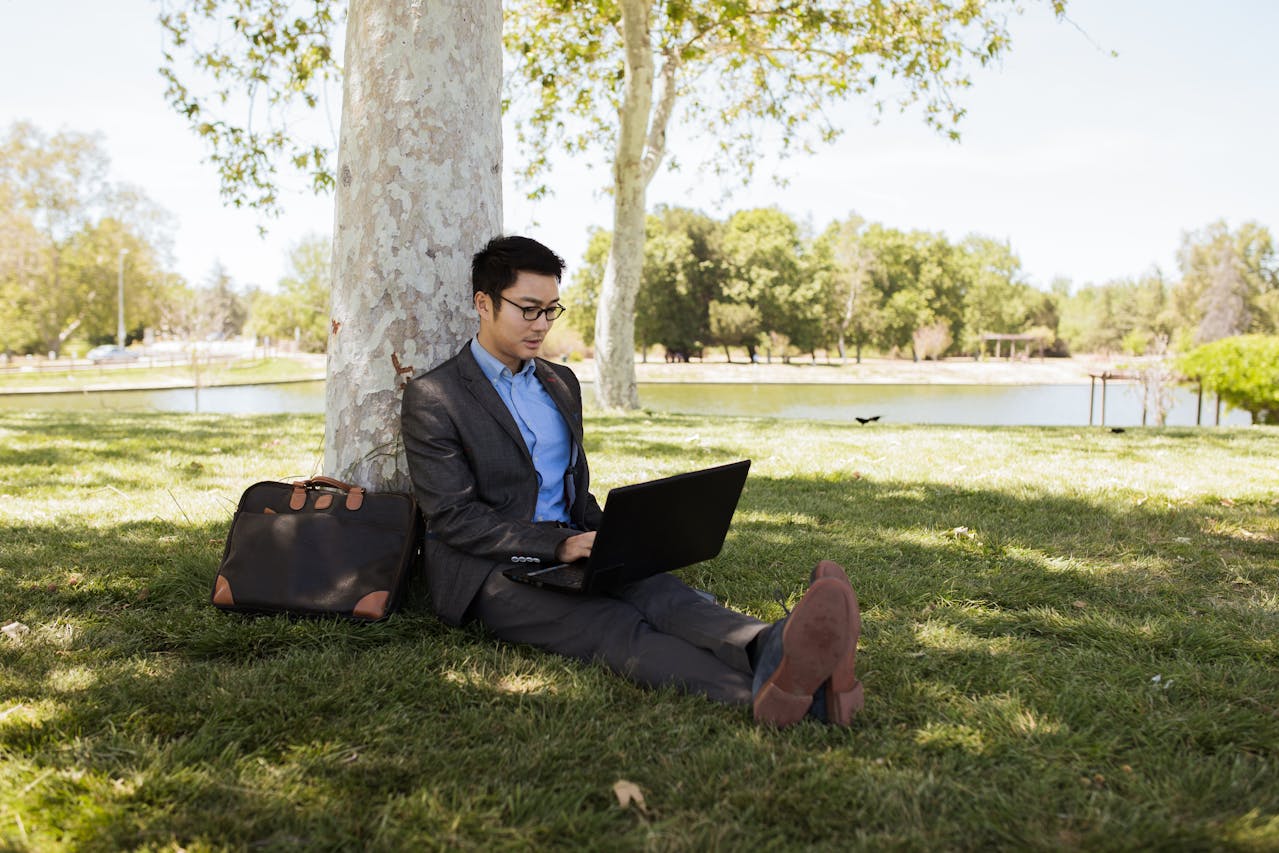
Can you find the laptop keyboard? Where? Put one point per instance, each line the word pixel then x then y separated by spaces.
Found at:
pixel 568 575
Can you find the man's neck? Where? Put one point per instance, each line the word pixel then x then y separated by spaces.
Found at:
pixel 514 368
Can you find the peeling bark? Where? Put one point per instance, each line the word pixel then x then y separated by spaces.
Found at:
pixel 419 191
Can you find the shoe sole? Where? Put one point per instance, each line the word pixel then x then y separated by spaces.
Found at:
pixel 814 642
pixel 844 694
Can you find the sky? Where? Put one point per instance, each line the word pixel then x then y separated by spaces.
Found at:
pixel 1091 148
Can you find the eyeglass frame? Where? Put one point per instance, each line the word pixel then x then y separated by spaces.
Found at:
pixel 538 313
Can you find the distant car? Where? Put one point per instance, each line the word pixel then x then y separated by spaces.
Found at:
pixel 110 352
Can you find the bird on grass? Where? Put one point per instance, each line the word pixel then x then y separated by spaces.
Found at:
pixel 864 421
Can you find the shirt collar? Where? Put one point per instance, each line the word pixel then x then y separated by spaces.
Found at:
pixel 493 367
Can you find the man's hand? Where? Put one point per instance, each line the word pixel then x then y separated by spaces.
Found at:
pixel 575 547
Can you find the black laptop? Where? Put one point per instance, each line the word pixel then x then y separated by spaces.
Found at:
pixel 649 528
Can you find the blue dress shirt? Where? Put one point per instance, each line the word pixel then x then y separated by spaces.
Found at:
pixel 545 434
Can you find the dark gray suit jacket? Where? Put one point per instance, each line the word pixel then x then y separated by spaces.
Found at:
pixel 474 478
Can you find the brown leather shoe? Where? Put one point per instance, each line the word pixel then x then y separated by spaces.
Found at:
pixel 812 641
pixel 844 695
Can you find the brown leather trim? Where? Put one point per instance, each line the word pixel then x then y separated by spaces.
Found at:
pixel 222 593
pixel 329 481
pixel 298 499
pixel 324 501
pixel 373 605
pixel 355 498
pixel 269 511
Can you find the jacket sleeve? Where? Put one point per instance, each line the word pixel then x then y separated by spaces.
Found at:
pixel 471 497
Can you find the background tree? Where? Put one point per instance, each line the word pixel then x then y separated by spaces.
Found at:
pixel 1125 315
pixel 1243 369
pixel 996 298
pixel 683 274
pixel 735 324
pixel 58 183
pixel 853 305
pixel 765 270
pixel 922 283
pixel 89 282
pixel 222 309
pixel 581 296
pixel 299 309
pixel 1229 283
pixel 65 226
pixel 23 267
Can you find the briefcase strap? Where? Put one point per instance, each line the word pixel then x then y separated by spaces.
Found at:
pixel 354 494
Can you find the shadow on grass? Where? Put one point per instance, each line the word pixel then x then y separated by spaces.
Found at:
pixel 986 659
pixel 1010 650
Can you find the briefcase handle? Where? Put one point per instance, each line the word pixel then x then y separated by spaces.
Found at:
pixel 354 494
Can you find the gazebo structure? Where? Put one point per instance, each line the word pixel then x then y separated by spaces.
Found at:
pixel 1013 340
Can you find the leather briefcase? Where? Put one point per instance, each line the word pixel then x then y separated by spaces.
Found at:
pixel 317 547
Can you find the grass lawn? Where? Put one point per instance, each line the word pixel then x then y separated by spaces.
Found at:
pixel 82 377
pixel 1070 641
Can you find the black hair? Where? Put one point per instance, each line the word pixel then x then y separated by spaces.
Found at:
pixel 495 267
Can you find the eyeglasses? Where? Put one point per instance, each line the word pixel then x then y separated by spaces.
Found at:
pixel 531 313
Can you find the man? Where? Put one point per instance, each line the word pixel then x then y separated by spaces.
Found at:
pixel 494 444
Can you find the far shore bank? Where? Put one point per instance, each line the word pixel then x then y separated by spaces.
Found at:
pixel 871 371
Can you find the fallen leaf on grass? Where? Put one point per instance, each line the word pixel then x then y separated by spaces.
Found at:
pixel 1079 605
pixel 628 794
pixel 1227 502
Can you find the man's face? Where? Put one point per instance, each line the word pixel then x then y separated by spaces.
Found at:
pixel 503 330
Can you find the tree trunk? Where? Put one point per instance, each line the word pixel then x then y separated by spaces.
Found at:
pixel 615 319
pixel 418 192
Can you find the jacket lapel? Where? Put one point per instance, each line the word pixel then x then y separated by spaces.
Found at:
pixel 486 395
pixel 563 400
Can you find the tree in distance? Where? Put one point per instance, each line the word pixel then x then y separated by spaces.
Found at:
pixel 1243 369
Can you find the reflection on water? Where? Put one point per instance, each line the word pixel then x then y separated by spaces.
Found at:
pixel 992 405
pixel 988 405
pixel 291 397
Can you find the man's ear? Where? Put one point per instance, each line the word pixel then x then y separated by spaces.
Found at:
pixel 480 301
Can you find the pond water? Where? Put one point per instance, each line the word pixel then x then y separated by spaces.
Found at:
pixel 992 405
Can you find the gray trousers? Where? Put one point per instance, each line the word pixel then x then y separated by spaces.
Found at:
pixel 656 632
